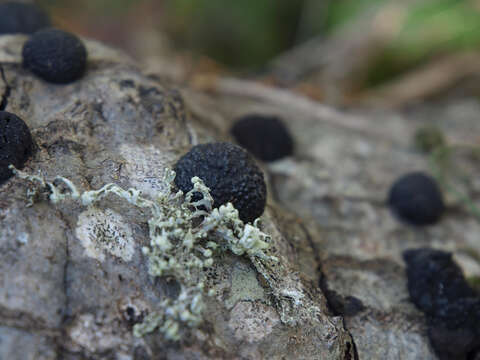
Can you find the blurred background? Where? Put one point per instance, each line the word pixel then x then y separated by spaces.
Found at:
pixel 343 52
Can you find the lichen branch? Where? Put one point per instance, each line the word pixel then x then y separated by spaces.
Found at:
pixel 184 237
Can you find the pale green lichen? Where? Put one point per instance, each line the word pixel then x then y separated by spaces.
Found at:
pixel 186 309
pixel 56 195
pixel 184 236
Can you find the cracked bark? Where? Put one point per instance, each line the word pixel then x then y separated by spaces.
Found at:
pixel 6 93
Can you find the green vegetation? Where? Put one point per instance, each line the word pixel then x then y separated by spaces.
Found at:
pixel 237 33
pixel 249 33
pixel 341 12
pixel 110 7
pixel 429 138
pixel 444 168
pixel 428 28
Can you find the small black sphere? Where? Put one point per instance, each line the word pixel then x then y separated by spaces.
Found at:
pixel 16 144
pixel 416 199
pixel 266 137
pixel 55 56
pixel 231 174
pixel 19 18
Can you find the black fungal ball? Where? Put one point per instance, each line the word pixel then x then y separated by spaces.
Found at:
pixel 231 174
pixel 16 144
pixel 19 18
pixel 434 279
pixel 55 56
pixel 438 287
pixel 416 199
pixel 266 137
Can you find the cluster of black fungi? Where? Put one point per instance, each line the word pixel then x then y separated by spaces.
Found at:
pixel 53 55
pixel 436 284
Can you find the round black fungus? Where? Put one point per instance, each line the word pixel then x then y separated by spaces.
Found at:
pixel 231 174
pixel 55 56
pixel 437 286
pixel 19 18
pixel 416 199
pixel 16 144
pixel 266 137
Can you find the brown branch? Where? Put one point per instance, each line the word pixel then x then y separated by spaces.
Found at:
pixel 426 81
pixel 292 101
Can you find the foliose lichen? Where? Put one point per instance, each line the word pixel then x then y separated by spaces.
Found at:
pixel 185 234
pixel 104 231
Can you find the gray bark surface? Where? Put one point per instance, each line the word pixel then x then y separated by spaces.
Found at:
pixel 339 178
pixel 61 299
pixel 340 287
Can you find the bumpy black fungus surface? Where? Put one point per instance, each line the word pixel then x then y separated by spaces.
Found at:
pixel 416 199
pixel 55 56
pixel 19 18
pixel 437 287
pixel 266 137
pixel 16 144
pixel 231 174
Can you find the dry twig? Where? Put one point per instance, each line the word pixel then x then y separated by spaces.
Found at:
pixel 293 101
pixel 425 82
